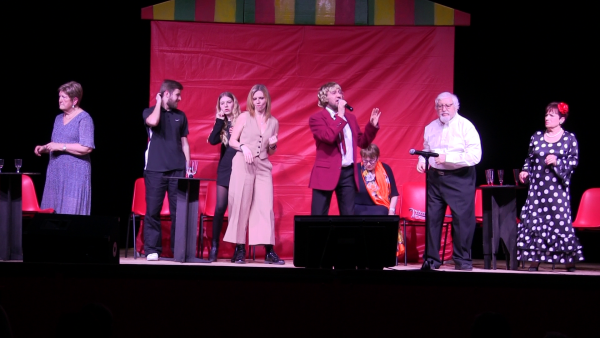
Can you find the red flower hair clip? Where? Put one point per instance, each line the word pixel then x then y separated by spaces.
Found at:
pixel 563 108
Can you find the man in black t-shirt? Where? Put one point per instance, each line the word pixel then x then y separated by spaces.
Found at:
pixel 166 156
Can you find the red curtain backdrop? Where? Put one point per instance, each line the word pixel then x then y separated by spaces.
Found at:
pixel 398 69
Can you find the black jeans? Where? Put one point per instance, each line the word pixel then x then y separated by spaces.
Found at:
pixel 157 184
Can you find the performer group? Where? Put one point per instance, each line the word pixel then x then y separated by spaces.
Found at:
pixel 362 187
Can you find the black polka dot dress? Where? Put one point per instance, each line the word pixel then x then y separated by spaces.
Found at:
pixel 545 233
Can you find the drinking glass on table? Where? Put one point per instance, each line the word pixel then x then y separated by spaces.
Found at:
pixel 517 173
pixel 192 167
pixel 18 164
pixel 489 176
pixel 500 176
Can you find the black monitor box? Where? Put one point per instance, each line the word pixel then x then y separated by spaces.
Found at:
pixel 58 238
pixel 345 242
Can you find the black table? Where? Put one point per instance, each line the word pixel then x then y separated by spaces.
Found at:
pixel 188 194
pixel 499 222
pixel 11 215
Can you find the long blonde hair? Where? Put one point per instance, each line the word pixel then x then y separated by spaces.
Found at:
pixel 235 112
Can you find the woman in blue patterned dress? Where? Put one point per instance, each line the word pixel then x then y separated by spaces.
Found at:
pixel 545 233
pixel 68 187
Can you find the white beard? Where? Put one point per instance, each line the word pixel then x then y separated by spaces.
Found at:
pixel 445 119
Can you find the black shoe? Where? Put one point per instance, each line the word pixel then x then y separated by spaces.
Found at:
pixel 240 254
pixel 570 267
pixel 429 265
pixel 534 266
pixel 212 256
pixel 463 267
pixel 234 253
pixel 272 258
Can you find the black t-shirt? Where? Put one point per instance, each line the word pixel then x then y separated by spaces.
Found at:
pixel 164 152
pixel 362 196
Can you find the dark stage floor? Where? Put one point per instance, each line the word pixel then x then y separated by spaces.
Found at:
pixel 170 299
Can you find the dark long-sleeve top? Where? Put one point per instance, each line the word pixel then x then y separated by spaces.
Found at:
pixel 362 196
pixel 215 135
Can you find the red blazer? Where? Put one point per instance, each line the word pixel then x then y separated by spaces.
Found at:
pixel 328 161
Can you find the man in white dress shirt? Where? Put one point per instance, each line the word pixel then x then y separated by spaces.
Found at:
pixel 451 178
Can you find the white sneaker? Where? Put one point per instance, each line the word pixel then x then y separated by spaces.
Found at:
pixel 152 257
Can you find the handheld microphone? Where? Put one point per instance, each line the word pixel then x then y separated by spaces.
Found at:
pixel 423 153
pixel 348 107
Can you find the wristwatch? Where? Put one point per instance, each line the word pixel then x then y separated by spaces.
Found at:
pixel 65 147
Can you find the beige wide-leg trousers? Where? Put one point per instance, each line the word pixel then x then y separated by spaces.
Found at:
pixel 251 202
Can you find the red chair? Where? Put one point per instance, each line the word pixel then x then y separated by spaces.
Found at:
pixel 208 213
pixel 412 211
pixel 478 207
pixel 138 209
pixel 29 199
pixel 588 213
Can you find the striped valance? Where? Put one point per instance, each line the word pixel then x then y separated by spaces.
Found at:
pixel 310 12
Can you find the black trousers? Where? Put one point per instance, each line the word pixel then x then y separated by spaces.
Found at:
pixel 344 192
pixel 157 184
pixel 454 188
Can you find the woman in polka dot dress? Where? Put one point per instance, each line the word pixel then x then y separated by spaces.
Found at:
pixel 545 233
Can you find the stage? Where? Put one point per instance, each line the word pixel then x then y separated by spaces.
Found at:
pixel 166 298
pixel 583 269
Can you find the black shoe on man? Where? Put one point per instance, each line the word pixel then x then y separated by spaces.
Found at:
pixel 429 265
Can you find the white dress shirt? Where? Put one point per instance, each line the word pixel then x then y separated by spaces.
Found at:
pixel 348 157
pixel 458 140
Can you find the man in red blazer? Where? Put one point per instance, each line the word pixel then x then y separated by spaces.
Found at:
pixel 337 134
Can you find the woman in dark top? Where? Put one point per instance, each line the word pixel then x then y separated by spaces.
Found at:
pixel 377 193
pixel 228 110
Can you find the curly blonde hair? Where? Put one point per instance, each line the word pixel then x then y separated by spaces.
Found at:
pixel 322 95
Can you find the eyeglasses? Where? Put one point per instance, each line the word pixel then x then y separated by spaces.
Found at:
pixel 442 106
pixel 371 161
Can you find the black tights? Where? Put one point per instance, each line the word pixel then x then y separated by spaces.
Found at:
pixel 220 208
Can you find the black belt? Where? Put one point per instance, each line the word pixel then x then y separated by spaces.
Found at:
pixel 349 166
pixel 444 172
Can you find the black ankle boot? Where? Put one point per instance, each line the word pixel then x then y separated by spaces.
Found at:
pixel 240 254
pixel 214 251
pixel 271 257
pixel 234 253
pixel 534 266
pixel 216 235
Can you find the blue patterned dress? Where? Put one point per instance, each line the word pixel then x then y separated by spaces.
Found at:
pixel 68 188
pixel 545 233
